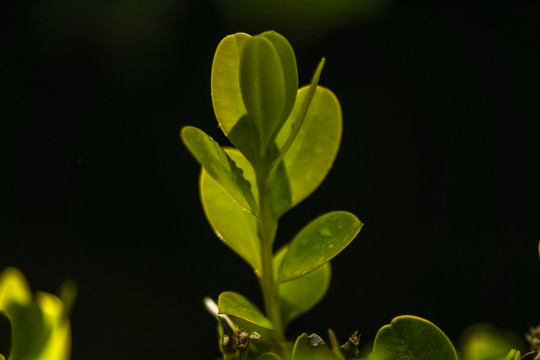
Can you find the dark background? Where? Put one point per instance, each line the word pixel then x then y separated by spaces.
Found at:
pixel 440 159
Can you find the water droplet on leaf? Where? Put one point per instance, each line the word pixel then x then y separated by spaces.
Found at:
pixel 325 231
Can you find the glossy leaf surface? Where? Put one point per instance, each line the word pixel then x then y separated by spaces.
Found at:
pixel 234 304
pixel 318 243
pixel 268 83
pixel 412 338
pixel 311 348
pixel 219 165
pixel 235 227
pixel 314 149
pixel 297 296
pixel 225 81
pixel 5 334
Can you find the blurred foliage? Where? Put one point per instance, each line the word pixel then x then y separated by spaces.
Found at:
pixel 41 326
pixel 485 342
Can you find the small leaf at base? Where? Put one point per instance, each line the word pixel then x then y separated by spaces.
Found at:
pixel 234 304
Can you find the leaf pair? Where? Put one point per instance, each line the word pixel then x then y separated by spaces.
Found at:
pixel 41 328
pixel 254 77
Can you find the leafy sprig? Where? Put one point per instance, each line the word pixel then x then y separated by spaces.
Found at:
pixel 286 139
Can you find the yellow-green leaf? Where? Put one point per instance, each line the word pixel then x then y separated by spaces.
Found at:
pixel 234 226
pixel 225 81
pixel 317 243
pixel 219 165
pixel 314 149
pixel 297 296
pixel 268 83
pixel 234 304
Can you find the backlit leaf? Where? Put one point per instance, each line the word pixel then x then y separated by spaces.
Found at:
pixel 219 165
pixel 317 243
pixel 234 304
pixel 225 82
pixel 235 227
pixel 412 338
pixel 268 83
pixel 314 149
pixel 297 296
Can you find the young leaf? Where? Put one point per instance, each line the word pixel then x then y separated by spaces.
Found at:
pixel 311 347
pixel 234 304
pixel 5 334
pixel 235 227
pixel 269 356
pixel 289 133
pixel 219 165
pixel 334 346
pixel 412 338
pixel 317 243
pixel 513 355
pixel 225 82
pixel 268 83
pixel 300 295
pixel 314 149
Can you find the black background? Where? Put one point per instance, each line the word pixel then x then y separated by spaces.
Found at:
pixel 439 159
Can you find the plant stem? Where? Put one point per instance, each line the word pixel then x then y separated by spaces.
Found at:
pixel 266 229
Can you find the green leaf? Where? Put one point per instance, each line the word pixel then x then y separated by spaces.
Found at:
pixel 234 304
pixel 234 226
pixel 302 104
pixel 225 82
pixel 311 347
pixel 268 83
pixel 219 165
pixel 300 295
pixel 288 67
pixel 314 149
pixel 412 338
pixel 317 243
pixel 31 332
pixel 513 355
pixel 334 346
pixel 5 334
pixel 269 356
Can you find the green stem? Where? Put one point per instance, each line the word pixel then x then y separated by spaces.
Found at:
pixel 266 229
